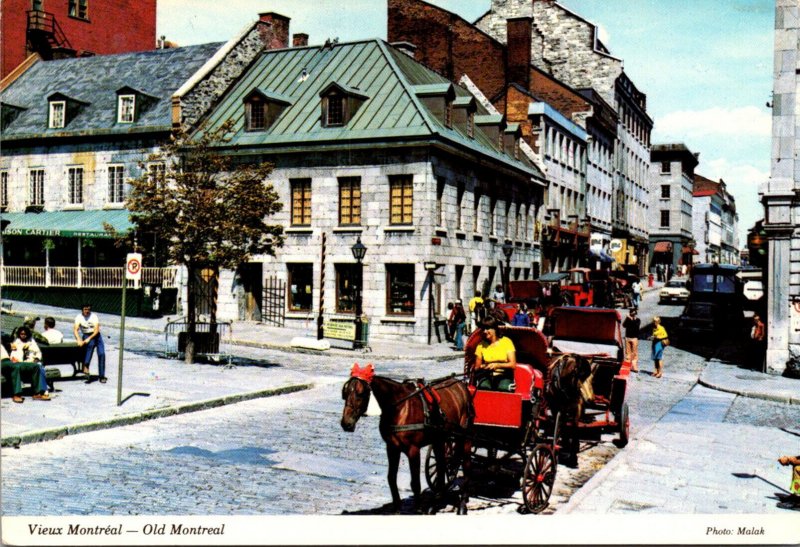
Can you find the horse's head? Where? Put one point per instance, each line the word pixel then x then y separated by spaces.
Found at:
pixel 355 392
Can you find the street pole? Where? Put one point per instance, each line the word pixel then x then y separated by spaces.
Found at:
pixel 320 320
pixel 121 341
pixel 358 305
pixel 430 306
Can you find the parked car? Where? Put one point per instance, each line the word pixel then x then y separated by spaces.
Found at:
pixel 753 290
pixel 675 290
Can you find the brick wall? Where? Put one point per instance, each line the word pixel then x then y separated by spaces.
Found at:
pixel 113 27
pixel 448 44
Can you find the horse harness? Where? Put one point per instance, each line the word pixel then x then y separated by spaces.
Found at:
pixel 434 416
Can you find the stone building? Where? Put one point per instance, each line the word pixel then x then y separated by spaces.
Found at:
pixel 75 130
pixel 567 46
pixel 571 132
pixel 779 196
pixel 708 200
pixel 56 29
pixel 369 145
pixel 672 241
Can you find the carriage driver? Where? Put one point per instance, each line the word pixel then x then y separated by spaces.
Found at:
pixel 495 354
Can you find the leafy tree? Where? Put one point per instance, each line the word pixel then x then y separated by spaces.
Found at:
pixel 208 209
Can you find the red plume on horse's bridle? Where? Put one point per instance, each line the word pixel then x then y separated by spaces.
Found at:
pixel 367 373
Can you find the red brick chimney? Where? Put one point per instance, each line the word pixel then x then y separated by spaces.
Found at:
pixel 519 50
pixel 274 30
pixel 299 40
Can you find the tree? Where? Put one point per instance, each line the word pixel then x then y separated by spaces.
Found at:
pixel 208 209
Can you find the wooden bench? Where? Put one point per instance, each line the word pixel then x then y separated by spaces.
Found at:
pixel 66 353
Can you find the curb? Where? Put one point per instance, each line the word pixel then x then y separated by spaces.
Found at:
pixel 56 433
pixel 774 397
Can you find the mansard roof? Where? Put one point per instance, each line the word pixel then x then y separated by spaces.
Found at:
pixel 392 111
pixel 96 81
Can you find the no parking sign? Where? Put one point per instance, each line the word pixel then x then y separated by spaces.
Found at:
pixel 133 267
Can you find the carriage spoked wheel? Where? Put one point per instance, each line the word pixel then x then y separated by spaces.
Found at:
pixel 624 421
pixel 539 477
pixel 432 468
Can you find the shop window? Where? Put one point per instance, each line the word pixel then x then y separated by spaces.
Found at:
pixel 347 283
pixel 350 201
pixel 301 280
pixel 400 289
pixel 401 199
pixel 301 202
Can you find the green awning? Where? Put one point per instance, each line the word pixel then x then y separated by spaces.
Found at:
pixel 66 223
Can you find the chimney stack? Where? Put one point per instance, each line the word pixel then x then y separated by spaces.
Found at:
pixel 519 50
pixel 299 40
pixel 274 30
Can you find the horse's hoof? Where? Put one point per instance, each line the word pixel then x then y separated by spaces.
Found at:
pixel 462 509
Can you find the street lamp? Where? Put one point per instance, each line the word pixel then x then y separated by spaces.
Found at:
pixel 430 267
pixel 359 250
pixel 508 250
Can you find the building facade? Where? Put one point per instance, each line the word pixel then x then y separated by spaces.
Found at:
pixel 57 29
pixel 672 242
pixel 779 197
pixel 371 146
pixel 707 203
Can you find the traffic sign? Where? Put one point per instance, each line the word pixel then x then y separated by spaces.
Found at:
pixel 133 266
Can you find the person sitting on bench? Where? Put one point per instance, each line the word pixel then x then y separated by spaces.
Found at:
pixel 53 335
pixel 16 370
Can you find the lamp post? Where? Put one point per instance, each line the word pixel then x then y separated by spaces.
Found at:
pixel 359 250
pixel 508 250
pixel 430 267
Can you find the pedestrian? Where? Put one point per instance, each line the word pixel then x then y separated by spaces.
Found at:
pixel 51 334
pixel 451 327
pixel 660 342
pixel 758 334
pixel 460 320
pixel 636 289
pixel 632 324
pixel 498 295
pixel 538 317
pixel 794 486
pixel 521 317
pixel 87 333
pixel 476 309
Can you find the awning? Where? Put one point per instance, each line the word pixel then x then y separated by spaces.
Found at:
pixel 66 223
pixel 663 247
pixel 552 277
pixel 689 250
pixel 601 255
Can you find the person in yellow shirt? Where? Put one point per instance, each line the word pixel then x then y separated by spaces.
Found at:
pixel 498 354
pixel 475 309
pixel 659 343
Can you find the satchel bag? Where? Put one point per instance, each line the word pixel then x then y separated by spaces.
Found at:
pixel 665 342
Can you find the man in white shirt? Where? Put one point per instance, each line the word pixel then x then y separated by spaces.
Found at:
pixel 87 333
pixel 52 334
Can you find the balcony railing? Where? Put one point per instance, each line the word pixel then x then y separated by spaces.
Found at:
pixel 81 278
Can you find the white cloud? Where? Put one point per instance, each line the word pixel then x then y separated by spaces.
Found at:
pixel 747 121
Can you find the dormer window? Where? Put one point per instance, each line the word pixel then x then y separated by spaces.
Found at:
pixel 262 108
pixel 340 104
pixel 126 109
pixel 58 114
pixel 438 100
pixel 471 125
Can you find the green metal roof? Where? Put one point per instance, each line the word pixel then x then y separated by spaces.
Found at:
pixel 66 223
pixel 392 111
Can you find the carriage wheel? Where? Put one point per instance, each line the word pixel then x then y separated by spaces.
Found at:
pixel 539 478
pixel 624 420
pixel 432 468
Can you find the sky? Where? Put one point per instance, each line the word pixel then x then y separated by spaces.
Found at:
pixel 705 65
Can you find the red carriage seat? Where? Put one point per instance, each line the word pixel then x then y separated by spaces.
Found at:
pixel 524 377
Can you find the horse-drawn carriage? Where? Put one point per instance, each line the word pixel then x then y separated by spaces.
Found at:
pixel 560 391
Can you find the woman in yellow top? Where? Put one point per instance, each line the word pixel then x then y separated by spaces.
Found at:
pixel 659 338
pixel 497 354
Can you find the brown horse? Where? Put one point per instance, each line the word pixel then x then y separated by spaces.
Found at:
pixel 413 416
pixel 566 376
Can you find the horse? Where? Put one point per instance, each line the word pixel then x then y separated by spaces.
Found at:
pixel 413 415
pixel 568 379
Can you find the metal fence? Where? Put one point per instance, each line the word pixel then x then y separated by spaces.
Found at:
pixel 211 341
pixel 82 278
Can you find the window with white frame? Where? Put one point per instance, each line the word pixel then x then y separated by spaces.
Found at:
pixel 75 185
pixel 58 115
pixel 4 189
pixel 157 174
pixel 116 186
pixel 126 109
pixel 36 187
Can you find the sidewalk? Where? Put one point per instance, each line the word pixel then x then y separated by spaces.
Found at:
pixel 154 387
